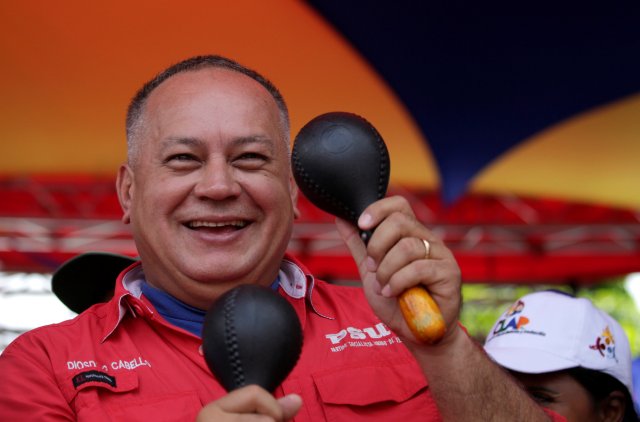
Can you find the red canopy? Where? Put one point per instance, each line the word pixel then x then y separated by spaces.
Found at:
pixel 562 205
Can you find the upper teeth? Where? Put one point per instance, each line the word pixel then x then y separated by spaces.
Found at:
pixel 237 223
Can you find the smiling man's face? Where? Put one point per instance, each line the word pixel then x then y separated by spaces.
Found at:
pixel 210 196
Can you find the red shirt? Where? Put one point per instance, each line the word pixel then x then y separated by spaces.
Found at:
pixel 121 361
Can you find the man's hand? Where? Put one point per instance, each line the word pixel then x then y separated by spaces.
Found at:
pixel 395 260
pixel 464 382
pixel 251 403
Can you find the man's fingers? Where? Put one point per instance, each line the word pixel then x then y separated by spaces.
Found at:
pixel 251 403
pixel 379 210
pixel 351 237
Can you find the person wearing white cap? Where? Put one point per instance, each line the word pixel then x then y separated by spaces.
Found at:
pixel 572 357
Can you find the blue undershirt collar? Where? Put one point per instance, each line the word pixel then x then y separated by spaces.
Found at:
pixel 179 313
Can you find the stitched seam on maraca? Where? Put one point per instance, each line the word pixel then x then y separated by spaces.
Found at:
pixel 384 165
pixel 231 340
pixel 318 190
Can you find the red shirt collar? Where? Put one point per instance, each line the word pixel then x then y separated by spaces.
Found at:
pixel 295 281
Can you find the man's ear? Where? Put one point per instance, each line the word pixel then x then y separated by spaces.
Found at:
pixel 124 187
pixel 293 189
pixel 612 407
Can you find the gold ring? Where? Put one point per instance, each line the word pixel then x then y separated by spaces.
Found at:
pixel 427 249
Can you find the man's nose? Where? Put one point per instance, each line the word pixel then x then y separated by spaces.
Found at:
pixel 217 181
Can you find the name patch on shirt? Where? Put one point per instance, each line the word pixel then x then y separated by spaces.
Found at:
pixel 93 376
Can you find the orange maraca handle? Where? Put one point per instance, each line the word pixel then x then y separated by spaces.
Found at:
pixel 422 315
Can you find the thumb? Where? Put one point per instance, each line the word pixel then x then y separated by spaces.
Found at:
pixel 351 237
pixel 290 405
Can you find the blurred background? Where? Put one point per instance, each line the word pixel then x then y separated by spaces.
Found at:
pixel 515 135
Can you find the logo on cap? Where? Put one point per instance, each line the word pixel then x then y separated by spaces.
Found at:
pixel 605 345
pixel 512 322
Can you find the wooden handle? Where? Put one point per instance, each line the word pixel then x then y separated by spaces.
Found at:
pixel 422 315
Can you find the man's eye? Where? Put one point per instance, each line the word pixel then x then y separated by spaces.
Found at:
pixel 181 157
pixel 252 156
pixel 182 161
pixel 250 160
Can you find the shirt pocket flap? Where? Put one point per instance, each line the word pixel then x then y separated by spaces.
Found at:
pixel 371 384
pixel 177 406
pixel 118 383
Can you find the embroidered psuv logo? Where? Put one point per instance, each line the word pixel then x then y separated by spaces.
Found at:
pixel 93 376
pixel 351 337
pixel 512 320
pixel 605 345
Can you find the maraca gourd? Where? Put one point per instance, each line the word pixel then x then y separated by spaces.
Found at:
pixel 251 335
pixel 341 164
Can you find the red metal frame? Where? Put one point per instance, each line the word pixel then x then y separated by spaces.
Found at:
pixel 45 220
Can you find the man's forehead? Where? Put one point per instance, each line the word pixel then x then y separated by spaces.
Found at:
pixel 192 103
pixel 215 78
pixel 219 87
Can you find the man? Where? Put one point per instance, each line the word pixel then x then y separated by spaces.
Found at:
pixel 210 197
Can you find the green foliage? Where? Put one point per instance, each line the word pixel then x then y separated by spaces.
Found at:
pixel 484 303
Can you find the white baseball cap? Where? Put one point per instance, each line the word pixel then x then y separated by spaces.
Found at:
pixel 552 331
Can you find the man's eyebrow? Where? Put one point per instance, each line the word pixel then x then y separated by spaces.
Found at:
pixel 239 141
pixel 260 140
pixel 180 141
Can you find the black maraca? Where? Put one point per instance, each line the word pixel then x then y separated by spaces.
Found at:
pixel 341 164
pixel 251 335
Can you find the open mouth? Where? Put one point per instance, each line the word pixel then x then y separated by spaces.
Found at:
pixel 217 226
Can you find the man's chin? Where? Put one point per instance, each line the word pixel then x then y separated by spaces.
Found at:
pixel 225 268
pixel 215 274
